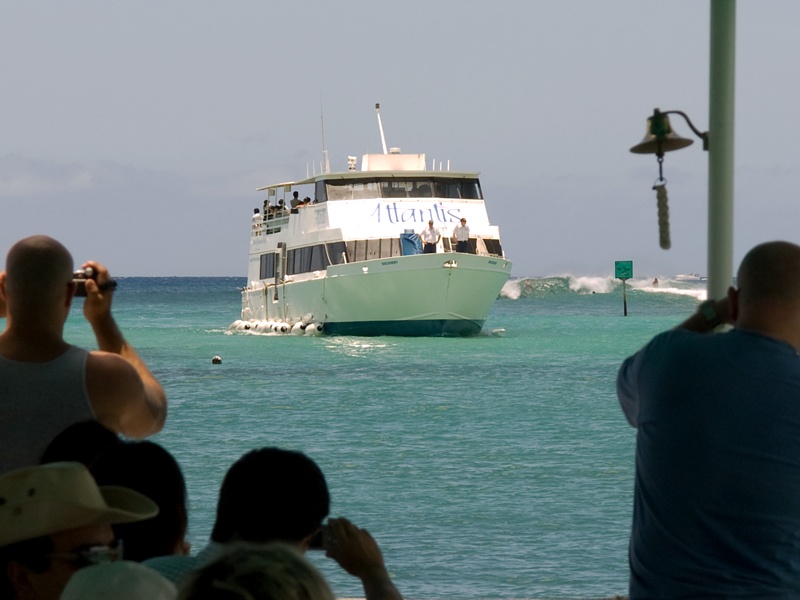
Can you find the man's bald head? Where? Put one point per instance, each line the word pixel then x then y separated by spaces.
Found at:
pixel 36 267
pixel 770 273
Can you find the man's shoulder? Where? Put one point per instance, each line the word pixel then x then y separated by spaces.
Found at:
pixel 101 360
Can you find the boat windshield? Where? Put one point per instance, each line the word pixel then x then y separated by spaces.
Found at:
pixel 393 187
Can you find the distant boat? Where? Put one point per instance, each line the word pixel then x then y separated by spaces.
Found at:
pixel 690 277
pixel 349 262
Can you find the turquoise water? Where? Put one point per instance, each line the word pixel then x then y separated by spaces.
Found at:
pixel 497 466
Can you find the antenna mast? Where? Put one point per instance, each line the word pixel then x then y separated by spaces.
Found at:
pixel 380 125
pixel 326 165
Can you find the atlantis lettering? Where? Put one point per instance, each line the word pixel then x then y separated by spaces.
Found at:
pixel 391 213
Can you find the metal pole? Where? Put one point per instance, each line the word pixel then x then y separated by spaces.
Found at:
pixel 720 152
pixel 624 299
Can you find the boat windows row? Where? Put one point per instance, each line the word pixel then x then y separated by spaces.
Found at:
pixel 391 187
pixel 318 257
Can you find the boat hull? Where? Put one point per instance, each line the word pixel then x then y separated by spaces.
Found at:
pixel 446 294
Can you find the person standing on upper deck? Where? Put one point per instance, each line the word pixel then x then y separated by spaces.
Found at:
pixel 461 236
pixel 430 238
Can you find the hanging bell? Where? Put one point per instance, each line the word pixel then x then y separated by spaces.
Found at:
pixel 660 137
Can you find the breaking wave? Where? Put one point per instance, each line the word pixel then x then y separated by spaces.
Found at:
pixel 537 287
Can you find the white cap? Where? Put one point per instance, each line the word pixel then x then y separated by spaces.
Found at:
pixel 121 580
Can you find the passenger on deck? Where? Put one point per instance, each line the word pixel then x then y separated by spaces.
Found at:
pixel 257 220
pixel 430 238
pixel 461 236
pixel 715 508
pixel 47 384
pixel 295 199
pixel 272 495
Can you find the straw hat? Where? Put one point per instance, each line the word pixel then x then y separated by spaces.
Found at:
pixel 48 499
pixel 121 580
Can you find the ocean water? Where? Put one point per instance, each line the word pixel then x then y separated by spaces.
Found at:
pixel 496 466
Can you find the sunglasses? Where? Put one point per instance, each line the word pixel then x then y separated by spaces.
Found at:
pixel 95 555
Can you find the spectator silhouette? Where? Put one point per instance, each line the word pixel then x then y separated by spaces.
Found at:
pixel 55 520
pixel 715 511
pixel 270 495
pixel 47 384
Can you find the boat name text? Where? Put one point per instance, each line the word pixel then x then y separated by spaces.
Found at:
pixel 392 213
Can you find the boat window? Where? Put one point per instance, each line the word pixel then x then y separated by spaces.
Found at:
pixel 267 267
pixel 493 247
pixel 320 193
pixel 318 260
pixel 471 189
pixel 350 190
pixel 337 253
pixel 423 190
pixel 394 188
pixel 440 187
pixel 458 188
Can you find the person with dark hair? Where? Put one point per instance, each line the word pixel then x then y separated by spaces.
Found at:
pixel 276 495
pixel 461 236
pixel 46 383
pixel 55 520
pixel 296 490
pixel 149 469
pixel 430 238
pixel 715 508
pixel 81 442
pixel 143 466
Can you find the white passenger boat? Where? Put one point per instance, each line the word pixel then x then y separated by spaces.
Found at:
pixel 350 261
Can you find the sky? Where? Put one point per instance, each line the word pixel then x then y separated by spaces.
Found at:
pixel 137 133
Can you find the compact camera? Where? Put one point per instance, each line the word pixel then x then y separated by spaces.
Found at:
pixel 80 276
pixel 316 542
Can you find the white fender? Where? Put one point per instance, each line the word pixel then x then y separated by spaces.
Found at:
pixel 297 328
pixel 314 329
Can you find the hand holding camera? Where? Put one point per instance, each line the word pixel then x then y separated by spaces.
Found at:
pixel 81 275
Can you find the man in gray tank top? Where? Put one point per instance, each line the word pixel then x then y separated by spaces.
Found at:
pixel 46 384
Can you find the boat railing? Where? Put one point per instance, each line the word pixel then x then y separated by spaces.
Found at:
pixel 272 224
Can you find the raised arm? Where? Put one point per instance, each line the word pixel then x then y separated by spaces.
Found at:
pixel 141 409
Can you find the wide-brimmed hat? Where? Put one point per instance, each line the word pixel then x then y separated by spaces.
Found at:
pixel 47 499
pixel 121 580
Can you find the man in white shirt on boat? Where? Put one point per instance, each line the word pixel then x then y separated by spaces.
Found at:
pixel 430 238
pixel 461 236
